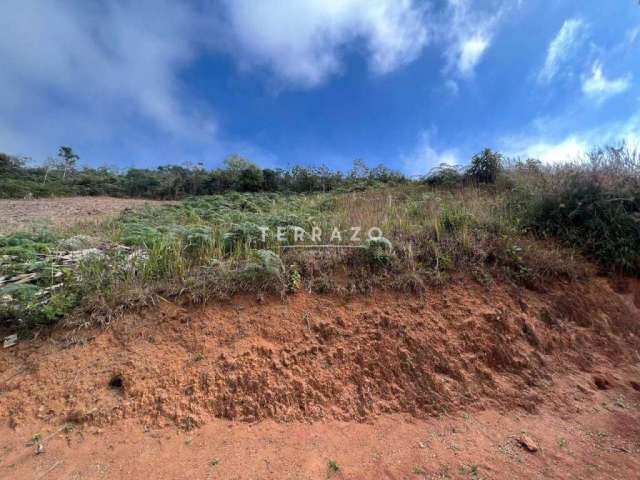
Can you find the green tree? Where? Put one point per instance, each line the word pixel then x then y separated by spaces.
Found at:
pixel 68 159
pixel 250 180
pixel 235 163
pixel 10 164
pixel 485 166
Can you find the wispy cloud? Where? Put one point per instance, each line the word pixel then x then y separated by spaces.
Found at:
pixel 471 52
pixel 468 33
pixel 631 36
pixel 131 54
pixel 562 48
pixel 303 43
pixel 85 70
pixel 598 86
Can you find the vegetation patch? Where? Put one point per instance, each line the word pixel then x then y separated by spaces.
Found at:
pixel 520 222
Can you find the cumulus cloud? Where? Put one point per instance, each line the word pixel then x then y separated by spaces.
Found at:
pixel 598 86
pixel 562 48
pixel 426 156
pixel 575 145
pixel 567 149
pixel 303 43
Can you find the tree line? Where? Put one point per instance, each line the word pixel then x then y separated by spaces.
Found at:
pixel 61 177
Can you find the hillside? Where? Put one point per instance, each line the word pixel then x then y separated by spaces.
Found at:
pixel 454 377
pixel 486 320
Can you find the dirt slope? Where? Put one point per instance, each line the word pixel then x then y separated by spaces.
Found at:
pixel 492 362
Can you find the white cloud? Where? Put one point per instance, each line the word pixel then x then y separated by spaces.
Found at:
pixel 426 157
pixel 562 47
pixel 598 86
pixel 99 53
pixel 471 53
pixel 570 148
pixel 303 42
pixel 469 34
pixel 82 71
pixel 575 145
pixel 631 36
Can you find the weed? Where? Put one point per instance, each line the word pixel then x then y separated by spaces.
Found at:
pixel 471 470
pixel 69 427
pixel 378 251
pixel 295 279
pixel 419 470
pixel 474 471
pixel 333 467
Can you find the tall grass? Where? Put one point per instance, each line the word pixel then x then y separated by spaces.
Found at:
pixel 528 228
pixel 593 204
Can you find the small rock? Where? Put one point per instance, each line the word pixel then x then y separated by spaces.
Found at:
pixel 527 443
pixel 39 448
pixel 10 340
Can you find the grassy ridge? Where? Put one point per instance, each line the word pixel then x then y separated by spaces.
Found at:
pixel 212 247
pixel 528 225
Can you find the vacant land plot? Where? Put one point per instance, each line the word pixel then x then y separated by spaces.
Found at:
pixel 18 214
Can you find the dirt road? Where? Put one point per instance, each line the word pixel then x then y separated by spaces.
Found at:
pixel 598 440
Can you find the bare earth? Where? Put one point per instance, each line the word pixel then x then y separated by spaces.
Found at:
pixel 590 439
pixel 389 386
pixel 63 211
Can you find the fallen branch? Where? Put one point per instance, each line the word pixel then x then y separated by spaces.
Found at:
pixel 44 474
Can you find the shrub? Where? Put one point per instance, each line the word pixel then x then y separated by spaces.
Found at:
pixel 444 175
pixel 485 166
pixel 378 251
pixel 595 205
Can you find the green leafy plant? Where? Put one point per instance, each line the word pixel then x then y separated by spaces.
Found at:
pixel 295 279
pixel 333 467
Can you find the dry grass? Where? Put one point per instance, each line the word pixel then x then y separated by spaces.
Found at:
pixel 209 248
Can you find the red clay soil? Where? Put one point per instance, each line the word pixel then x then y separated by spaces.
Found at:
pixel 451 384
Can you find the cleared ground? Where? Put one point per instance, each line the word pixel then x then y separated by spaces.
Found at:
pixel 441 385
pixel 62 212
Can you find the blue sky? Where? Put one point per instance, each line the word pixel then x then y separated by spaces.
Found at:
pixel 407 83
